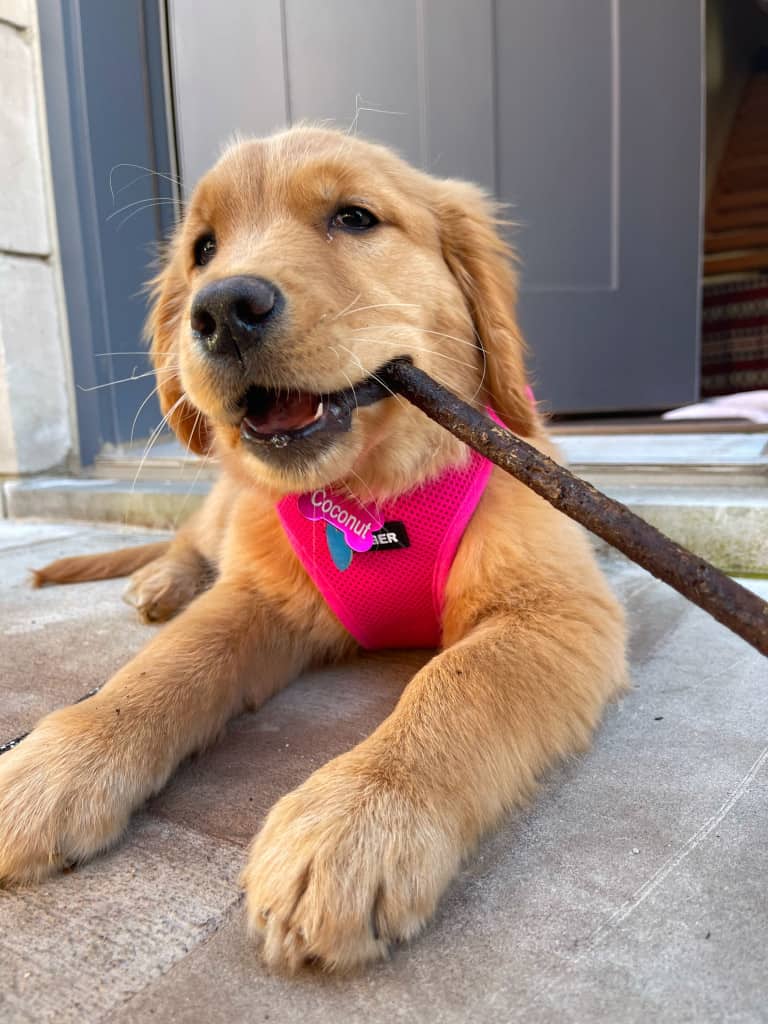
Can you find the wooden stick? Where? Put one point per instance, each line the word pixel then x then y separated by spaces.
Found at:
pixel 693 577
pixel 727 601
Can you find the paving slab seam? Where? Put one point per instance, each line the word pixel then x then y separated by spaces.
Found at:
pixel 153 943
pixel 184 827
pixel 218 920
pixel 209 928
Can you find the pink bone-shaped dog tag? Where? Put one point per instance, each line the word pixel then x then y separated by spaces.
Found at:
pixel 356 523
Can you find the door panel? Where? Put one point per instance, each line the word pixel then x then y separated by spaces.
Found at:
pixel 557 139
pixel 583 115
pixel 634 345
pixel 103 78
pixel 228 76
pixel 343 56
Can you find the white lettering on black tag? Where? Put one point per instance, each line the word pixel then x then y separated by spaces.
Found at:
pixel 391 536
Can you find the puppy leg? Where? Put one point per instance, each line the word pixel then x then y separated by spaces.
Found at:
pixel 359 855
pixel 168 584
pixel 163 588
pixel 67 791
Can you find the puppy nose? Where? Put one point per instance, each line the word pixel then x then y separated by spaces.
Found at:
pixel 232 315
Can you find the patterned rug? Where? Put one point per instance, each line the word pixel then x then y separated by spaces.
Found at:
pixel 734 331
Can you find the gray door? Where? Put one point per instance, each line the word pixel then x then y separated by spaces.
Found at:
pixel 103 72
pixel 584 115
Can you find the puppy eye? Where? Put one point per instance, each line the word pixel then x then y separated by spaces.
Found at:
pixel 205 249
pixel 354 218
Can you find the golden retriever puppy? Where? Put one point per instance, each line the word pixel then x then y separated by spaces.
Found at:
pixel 304 264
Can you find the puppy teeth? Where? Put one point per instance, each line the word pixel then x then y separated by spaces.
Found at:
pixel 319 412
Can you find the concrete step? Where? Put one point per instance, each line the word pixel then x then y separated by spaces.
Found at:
pixel 158 504
pixel 727 523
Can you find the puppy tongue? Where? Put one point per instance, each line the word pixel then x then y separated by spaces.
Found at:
pixel 284 412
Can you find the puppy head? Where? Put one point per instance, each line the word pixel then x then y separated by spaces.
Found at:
pixel 306 262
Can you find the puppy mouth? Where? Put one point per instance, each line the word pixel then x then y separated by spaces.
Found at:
pixel 282 419
pixel 275 417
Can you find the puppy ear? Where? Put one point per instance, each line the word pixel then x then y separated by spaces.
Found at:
pixel 167 294
pixel 482 263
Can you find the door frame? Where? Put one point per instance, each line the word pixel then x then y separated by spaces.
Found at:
pixel 80 229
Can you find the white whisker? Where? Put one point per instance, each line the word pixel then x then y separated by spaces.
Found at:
pixel 154 391
pixel 135 352
pixel 423 330
pixel 196 477
pixel 374 500
pixel 158 202
pixel 352 471
pixel 147 173
pixel 370 373
pixel 154 436
pixel 377 305
pixel 476 346
pixel 359 108
pixel 479 387
pixel 419 348
pixel 347 378
pixel 383 110
pixel 344 310
pixel 148 201
pixel 124 380
pixel 194 428
pixel 353 127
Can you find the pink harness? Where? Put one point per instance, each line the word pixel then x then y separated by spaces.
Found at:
pixel 392 594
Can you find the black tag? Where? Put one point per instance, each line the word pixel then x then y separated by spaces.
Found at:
pixel 390 536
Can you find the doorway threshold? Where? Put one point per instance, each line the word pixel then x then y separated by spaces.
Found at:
pixel 651 425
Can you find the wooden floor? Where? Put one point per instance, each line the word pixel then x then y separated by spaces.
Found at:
pixel 736 226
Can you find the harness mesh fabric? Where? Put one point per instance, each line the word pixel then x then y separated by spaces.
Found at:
pixel 393 597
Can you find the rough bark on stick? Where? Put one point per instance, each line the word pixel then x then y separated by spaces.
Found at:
pixel 725 599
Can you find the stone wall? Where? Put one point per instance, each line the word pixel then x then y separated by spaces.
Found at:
pixel 37 426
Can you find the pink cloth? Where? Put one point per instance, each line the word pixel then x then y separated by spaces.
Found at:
pixel 393 597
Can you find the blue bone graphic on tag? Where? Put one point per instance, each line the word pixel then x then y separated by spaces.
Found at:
pixel 338 548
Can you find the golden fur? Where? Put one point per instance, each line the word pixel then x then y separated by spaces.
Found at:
pixel 358 856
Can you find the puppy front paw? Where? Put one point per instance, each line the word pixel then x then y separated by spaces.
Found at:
pixel 343 867
pixel 57 807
